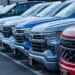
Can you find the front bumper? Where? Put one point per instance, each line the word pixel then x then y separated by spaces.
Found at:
pixel 22 49
pixel 50 62
pixel 10 42
pixel 66 68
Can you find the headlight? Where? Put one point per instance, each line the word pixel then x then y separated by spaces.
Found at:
pixel 49 36
pixel 13 27
pixel 27 29
pixel 53 35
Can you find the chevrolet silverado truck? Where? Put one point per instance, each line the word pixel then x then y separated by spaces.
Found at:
pixel 22 45
pixel 67 59
pixel 45 43
pixel 10 24
pixel 28 12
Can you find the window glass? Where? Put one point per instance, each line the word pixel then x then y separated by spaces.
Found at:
pixel 67 12
pixel 48 10
pixel 31 10
pixel 20 8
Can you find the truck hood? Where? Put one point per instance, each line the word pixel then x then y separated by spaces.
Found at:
pixel 15 22
pixel 53 26
pixel 31 23
pixel 3 20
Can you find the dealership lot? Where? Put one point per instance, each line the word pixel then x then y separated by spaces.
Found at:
pixel 37 38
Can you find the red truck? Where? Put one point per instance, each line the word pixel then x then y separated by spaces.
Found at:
pixel 67 59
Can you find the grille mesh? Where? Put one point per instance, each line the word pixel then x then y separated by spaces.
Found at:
pixel 19 35
pixel 67 50
pixel 7 31
pixel 38 36
pixel 39 47
pixel 36 45
pixel 68 55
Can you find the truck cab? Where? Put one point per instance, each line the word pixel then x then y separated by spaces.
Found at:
pixel 45 42
pixel 13 9
pixel 67 58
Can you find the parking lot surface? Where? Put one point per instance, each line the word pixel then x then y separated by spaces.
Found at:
pixel 7 67
pixel 12 65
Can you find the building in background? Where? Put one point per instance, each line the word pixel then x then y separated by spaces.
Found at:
pixel 5 2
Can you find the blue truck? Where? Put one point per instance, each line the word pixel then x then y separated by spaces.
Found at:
pixel 10 24
pixel 45 43
pixel 22 45
pixel 23 15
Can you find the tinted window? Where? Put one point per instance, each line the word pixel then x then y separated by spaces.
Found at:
pixel 48 10
pixel 31 10
pixel 67 12
pixel 20 8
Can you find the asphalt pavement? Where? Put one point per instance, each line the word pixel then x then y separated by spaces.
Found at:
pixel 7 67
pixel 11 65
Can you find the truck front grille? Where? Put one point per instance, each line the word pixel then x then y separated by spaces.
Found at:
pixel 19 31
pixel 19 35
pixel 68 55
pixel 68 52
pixel 68 43
pixel 20 39
pixel 39 47
pixel 37 43
pixel 7 31
pixel 38 36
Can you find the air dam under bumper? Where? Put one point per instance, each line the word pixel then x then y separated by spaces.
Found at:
pixel 66 67
pixel 49 63
pixel 22 49
pixel 8 42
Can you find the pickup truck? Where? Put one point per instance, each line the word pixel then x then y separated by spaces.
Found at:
pixel 22 45
pixel 10 24
pixel 28 12
pixel 45 43
pixel 67 58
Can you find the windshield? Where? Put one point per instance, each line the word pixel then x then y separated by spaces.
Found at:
pixel 7 8
pixel 48 10
pixel 67 12
pixel 34 9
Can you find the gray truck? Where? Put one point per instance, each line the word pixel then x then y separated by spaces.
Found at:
pixel 45 43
